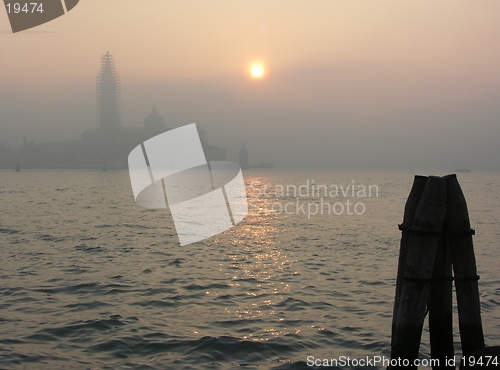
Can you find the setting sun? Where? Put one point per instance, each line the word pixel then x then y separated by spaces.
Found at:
pixel 257 71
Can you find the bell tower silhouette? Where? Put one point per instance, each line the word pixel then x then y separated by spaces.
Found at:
pixel 108 95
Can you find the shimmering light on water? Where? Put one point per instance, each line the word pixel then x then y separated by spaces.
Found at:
pixel 90 280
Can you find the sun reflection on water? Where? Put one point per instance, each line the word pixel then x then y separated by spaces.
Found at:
pixel 257 263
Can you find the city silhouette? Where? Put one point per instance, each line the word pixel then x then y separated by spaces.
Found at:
pixel 105 146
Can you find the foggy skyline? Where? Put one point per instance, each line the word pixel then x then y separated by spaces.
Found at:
pixel 348 84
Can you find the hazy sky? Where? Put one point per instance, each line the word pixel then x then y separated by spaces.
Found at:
pixel 348 83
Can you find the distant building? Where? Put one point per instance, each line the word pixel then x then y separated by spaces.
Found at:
pixel 243 157
pixel 109 143
pixel 154 122
pixel 108 95
pixel 212 152
pixel 7 157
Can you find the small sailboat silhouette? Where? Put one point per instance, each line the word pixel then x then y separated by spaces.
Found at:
pixel 18 167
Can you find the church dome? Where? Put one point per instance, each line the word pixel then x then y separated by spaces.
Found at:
pixel 154 121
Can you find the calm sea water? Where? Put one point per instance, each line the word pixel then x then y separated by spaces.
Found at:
pixel 89 280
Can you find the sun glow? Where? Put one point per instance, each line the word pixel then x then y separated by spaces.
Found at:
pixel 257 71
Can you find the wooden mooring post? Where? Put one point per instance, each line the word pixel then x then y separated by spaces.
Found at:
pixel 436 236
